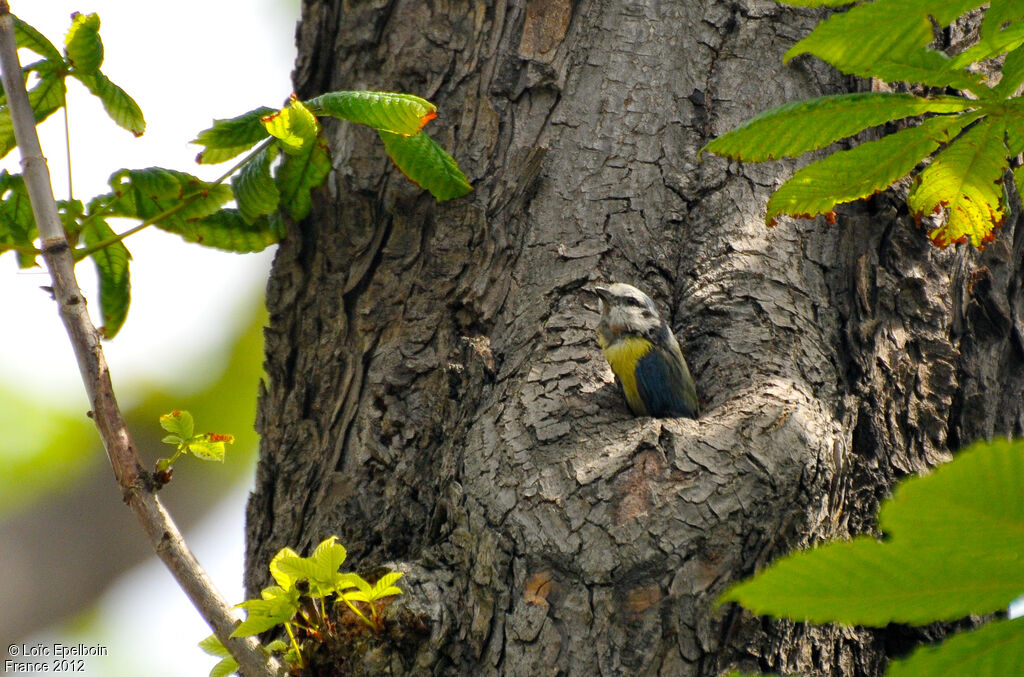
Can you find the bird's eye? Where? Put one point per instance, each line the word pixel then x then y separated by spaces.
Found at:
pixel 635 302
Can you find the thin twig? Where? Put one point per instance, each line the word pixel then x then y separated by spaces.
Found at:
pixel 136 484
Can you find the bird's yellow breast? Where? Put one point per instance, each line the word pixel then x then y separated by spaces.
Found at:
pixel 623 355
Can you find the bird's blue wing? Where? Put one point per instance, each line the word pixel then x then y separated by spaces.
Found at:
pixel 665 384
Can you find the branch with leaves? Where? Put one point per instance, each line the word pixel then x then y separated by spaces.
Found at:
pixel 135 483
pixel 957 156
pixel 287 158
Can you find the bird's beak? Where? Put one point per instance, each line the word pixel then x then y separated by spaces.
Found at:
pixel 603 293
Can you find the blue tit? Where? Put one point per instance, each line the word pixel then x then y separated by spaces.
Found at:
pixel 644 354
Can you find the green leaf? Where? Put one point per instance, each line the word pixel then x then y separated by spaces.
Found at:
pixel 862 171
pixel 999 13
pixel 214 647
pixel 285 580
pixel 227 230
pixel 208 446
pixel 387 580
pixel 991 47
pixel 329 556
pixel 228 138
pixel 977 496
pixel 172 439
pixel 148 193
pixel 294 126
pixel 71 213
pixel 299 568
pixel 358 596
pixel 347 580
pixel 28 37
pixel 403 114
pixel 426 164
pixel 995 649
pixel 265 614
pixel 17 224
pixel 254 187
pixel 179 423
pixel 965 180
pixel 121 108
pixel 276 646
pixel 1013 74
pixel 82 43
pixel 299 174
pixel 954 550
pixel 817 3
pixel 863 582
pixel 385 586
pixel 925 66
pixel 851 41
pixel 226 667
pixel 800 126
pixel 112 271
pixel 46 98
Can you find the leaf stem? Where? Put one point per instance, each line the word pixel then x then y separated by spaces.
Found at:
pixel 67 147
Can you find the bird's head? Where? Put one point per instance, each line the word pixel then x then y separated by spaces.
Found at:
pixel 625 310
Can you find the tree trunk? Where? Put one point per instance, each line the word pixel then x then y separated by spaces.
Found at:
pixel 437 399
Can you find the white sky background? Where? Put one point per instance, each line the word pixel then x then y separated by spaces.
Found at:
pixel 185 63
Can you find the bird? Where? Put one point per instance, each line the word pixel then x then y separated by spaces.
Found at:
pixel 644 354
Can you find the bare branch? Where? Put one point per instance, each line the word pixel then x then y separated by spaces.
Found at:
pixel 136 484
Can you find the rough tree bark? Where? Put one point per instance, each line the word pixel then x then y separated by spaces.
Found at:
pixel 436 398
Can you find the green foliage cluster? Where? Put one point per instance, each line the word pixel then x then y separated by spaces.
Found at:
pixel 299 603
pixel 957 156
pixel 953 548
pixel 270 184
pixel 204 446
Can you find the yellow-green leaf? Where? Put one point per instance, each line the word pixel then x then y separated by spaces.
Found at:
pixel 996 649
pixel 426 164
pixel 298 174
pixel 965 179
pixel 178 422
pixel 46 97
pixel 255 191
pixel 294 126
pixel 17 225
pixel 121 108
pixel 82 42
pixel 112 271
pixel 231 137
pixel 403 114
pixel 800 126
pixel 329 556
pixel 862 171
pixel 852 42
pixel 284 579
pixel 28 37
pixel 209 446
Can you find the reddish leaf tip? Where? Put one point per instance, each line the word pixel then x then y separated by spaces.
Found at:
pixel 427 118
